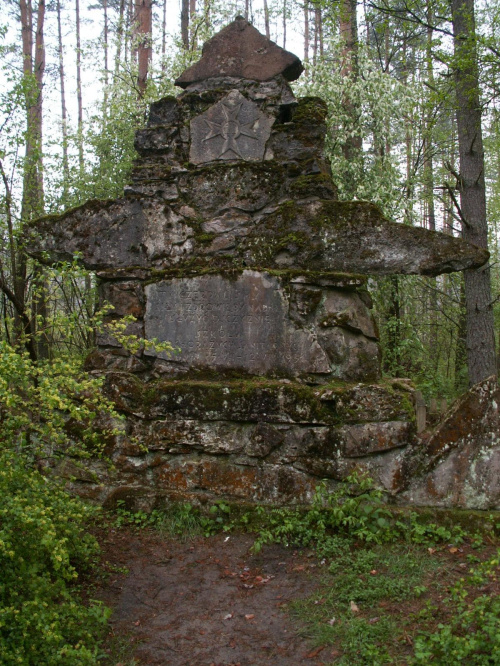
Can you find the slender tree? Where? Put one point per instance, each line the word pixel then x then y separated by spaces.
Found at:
pixel 266 19
pixel 185 23
pixel 79 86
pixel 64 115
pixel 144 17
pixel 481 358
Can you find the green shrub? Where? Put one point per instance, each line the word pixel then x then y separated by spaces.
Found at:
pixel 43 544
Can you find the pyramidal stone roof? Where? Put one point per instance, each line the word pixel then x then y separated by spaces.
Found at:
pixel 240 51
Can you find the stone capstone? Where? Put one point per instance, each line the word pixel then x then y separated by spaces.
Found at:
pixel 240 50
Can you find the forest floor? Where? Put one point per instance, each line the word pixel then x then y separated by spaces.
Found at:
pixel 205 601
pixel 210 601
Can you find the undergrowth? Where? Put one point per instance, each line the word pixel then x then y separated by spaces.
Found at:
pixel 377 602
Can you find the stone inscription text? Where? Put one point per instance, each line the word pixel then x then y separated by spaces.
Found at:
pixel 224 323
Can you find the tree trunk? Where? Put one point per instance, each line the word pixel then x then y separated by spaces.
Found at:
pixel 164 35
pixel 349 35
pixel 64 115
pixel 185 23
pixel 119 34
pixel 106 51
pixel 481 359
pixel 79 86
pixel 32 197
pixel 192 24
pixel 306 30
pixel 144 17
pixel 266 19
pixel 284 23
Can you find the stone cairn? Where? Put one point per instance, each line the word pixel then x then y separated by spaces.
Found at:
pixel 230 243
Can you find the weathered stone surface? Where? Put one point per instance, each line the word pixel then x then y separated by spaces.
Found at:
pixel 459 465
pixel 258 399
pixel 240 324
pixel 353 236
pixel 232 129
pixel 318 236
pixel 365 438
pixel 240 50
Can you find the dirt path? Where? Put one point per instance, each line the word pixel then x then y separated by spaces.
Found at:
pixel 208 602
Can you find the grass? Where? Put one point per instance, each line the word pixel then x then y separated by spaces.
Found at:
pixel 353 610
pixel 406 604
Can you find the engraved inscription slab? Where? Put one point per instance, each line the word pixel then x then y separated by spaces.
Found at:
pixel 240 324
pixel 232 129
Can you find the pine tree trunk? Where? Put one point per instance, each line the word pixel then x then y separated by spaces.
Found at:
pixel 481 359
pixel 266 19
pixel 79 87
pixel 119 34
pixel 192 24
pixel 64 115
pixel 185 23
pixel 284 23
pixel 106 51
pixel 306 30
pixel 164 35
pixel 349 35
pixel 144 17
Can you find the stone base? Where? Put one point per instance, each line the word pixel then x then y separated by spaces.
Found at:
pixel 256 440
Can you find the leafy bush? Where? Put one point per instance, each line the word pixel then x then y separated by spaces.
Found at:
pixel 41 403
pixel 43 544
pixel 47 409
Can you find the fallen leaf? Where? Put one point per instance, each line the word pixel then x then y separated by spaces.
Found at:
pixel 453 550
pixel 315 652
pixel 373 572
pixel 250 616
pixel 373 620
pixel 299 567
pixel 228 616
pixel 332 621
pixel 431 551
pixel 137 623
pixel 354 608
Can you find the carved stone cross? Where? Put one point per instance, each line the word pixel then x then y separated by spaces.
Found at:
pixel 232 129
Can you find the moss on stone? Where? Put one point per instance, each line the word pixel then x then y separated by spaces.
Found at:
pixel 310 110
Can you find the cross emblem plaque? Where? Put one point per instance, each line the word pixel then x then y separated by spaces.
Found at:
pixel 232 129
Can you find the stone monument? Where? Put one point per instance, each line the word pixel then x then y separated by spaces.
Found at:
pixel 229 242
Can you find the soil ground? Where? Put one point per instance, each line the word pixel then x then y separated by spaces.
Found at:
pixel 212 602
pixel 207 601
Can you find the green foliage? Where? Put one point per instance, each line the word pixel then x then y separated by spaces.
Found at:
pixel 43 545
pixel 472 633
pixel 51 406
pixel 178 519
pixel 355 509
